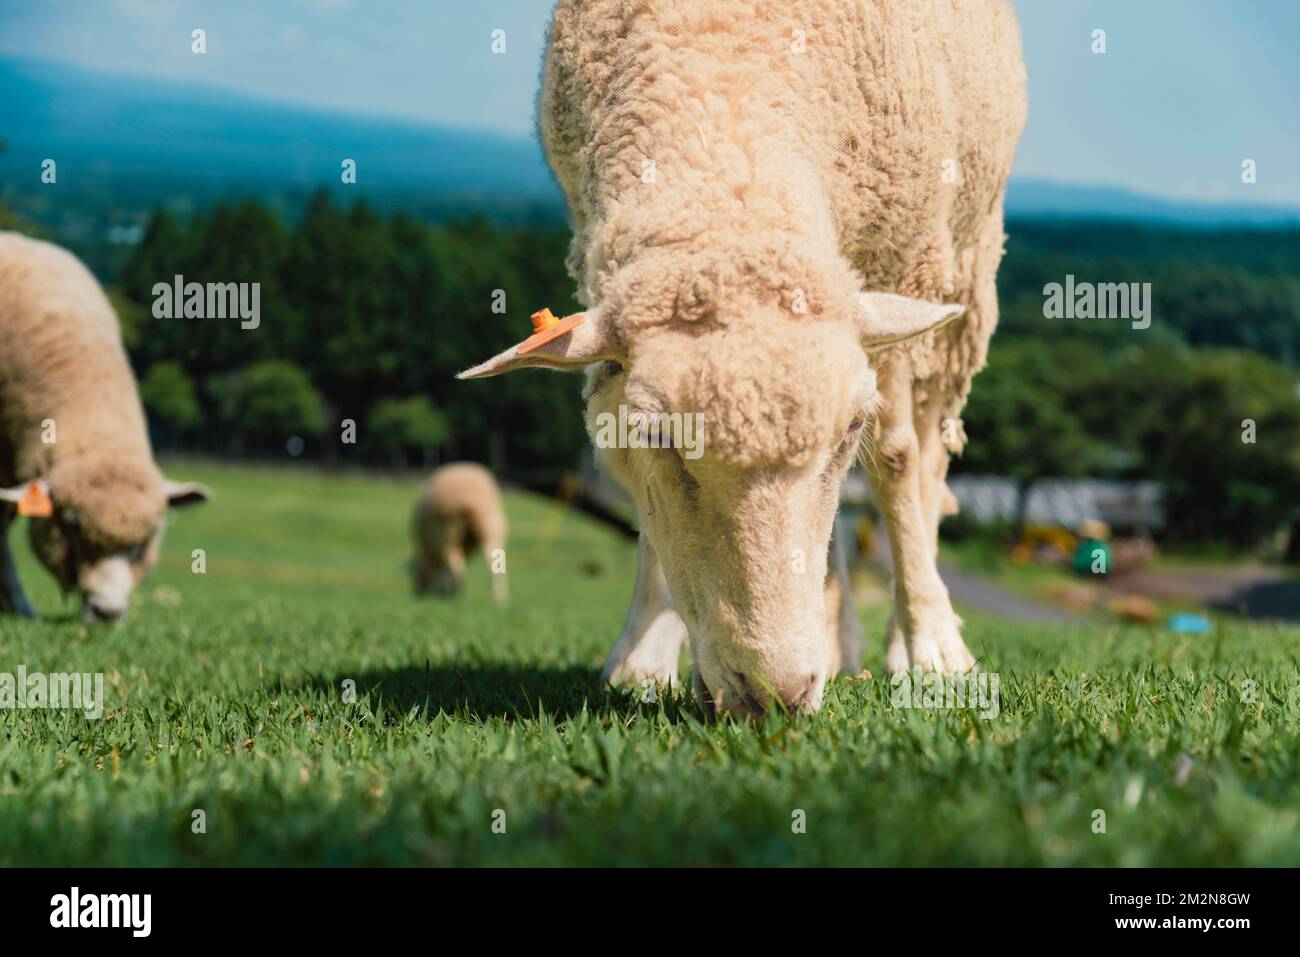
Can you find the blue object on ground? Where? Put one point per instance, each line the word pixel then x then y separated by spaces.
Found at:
pixel 1189 624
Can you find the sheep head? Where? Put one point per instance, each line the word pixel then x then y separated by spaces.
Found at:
pixel 738 437
pixel 104 528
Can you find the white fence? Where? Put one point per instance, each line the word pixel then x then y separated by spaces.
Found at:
pixel 1065 502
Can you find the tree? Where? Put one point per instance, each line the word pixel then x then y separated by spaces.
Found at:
pixel 1021 425
pixel 11 221
pixel 270 402
pixel 399 429
pixel 1221 431
pixel 170 400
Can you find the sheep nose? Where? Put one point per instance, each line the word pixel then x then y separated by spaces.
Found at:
pixel 804 694
pixel 752 695
pixel 96 613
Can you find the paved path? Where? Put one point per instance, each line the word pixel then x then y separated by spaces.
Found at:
pixel 992 599
pixel 980 594
pixel 1252 590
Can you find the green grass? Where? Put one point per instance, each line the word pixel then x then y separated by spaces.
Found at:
pixel 231 701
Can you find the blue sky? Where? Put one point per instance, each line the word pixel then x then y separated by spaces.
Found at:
pixel 1186 90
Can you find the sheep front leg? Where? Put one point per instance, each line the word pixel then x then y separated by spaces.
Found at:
pixel 842 617
pixel 924 626
pixel 652 638
pixel 12 599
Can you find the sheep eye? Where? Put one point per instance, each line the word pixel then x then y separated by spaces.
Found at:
pixel 647 427
pixel 70 516
pixel 851 436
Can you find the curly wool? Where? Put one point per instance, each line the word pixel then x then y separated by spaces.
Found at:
pixel 741 152
pixel 62 365
pixel 459 507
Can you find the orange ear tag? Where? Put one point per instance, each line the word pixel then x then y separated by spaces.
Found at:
pixel 35 502
pixel 546 328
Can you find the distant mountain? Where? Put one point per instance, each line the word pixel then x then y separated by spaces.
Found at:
pixel 1044 199
pixel 112 127
pixel 127 144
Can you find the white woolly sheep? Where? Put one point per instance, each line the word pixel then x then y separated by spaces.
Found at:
pixel 73 436
pixel 458 512
pixel 768 198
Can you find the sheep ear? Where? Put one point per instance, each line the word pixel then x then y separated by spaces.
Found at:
pixel 32 499
pixel 591 340
pixel 180 494
pixel 885 319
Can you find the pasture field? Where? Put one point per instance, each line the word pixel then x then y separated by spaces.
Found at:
pixel 225 693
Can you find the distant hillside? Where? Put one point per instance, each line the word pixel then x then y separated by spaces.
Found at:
pixel 1043 199
pixel 126 145
pixel 137 142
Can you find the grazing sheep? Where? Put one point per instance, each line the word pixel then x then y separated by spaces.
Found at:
pixel 459 511
pixel 72 435
pixel 780 207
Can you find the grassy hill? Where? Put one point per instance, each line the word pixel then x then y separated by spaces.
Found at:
pixel 225 694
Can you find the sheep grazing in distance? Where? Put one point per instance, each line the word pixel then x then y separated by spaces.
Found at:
pixel 458 512
pixel 74 449
pixel 788 218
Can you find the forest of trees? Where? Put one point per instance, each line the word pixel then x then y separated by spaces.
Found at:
pixel 363 318
pixel 367 318
pixel 1206 400
pixel 1218 428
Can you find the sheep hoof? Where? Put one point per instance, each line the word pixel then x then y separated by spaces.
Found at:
pixel 897 659
pixel 647 653
pixel 642 664
pixel 939 647
pixel 634 674
pixel 930 657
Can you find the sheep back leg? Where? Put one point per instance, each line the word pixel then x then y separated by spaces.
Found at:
pixel 923 623
pixel 12 598
pixel 842 617
pixel 652 639
pixel 937 436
